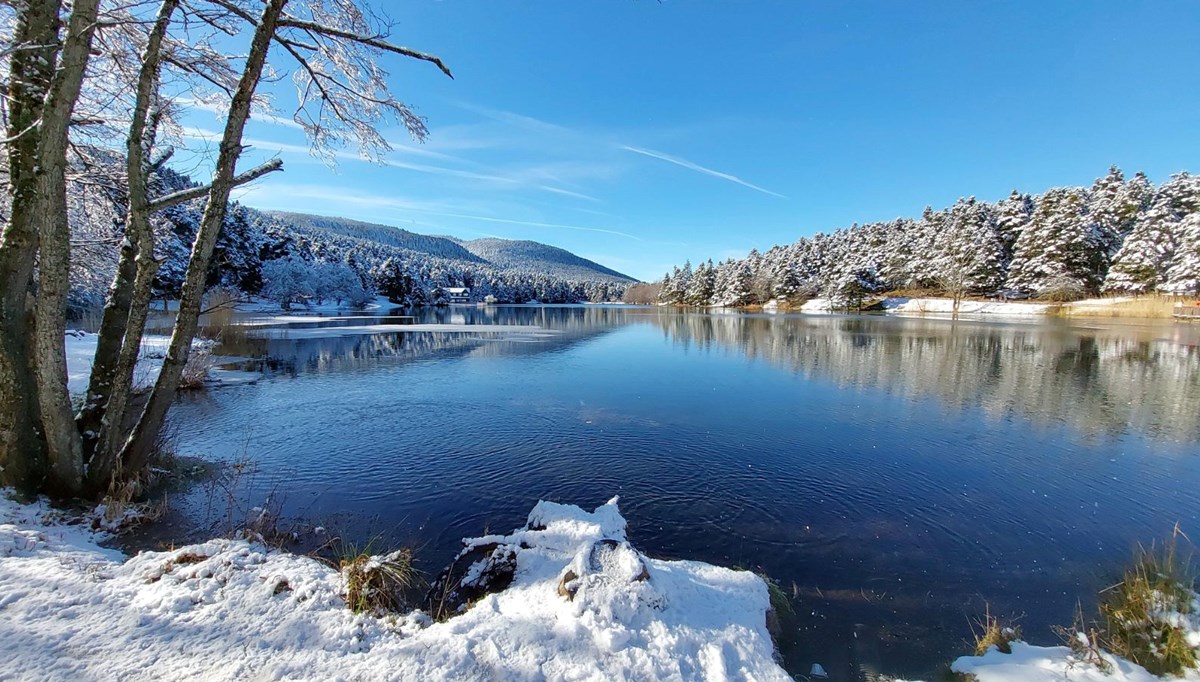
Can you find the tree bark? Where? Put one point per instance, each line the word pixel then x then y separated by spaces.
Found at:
pixel 138 447
pixel 31 69
pixel 63 447
pixel 103 415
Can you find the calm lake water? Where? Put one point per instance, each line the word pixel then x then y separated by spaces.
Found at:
pixel 892 474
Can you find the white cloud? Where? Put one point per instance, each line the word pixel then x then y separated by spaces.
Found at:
pixel 662 156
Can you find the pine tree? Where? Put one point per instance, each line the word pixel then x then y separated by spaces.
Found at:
pixel 1012 215
pixel 1059 248
pixel 700 288
pixel 1142 264
pixel 1183 278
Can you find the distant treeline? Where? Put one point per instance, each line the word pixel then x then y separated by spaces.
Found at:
pixel 292 258
pixel 1067 243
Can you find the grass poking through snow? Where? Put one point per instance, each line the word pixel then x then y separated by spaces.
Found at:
pixel 1145 616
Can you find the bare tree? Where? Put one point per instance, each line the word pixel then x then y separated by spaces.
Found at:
pixel 343 96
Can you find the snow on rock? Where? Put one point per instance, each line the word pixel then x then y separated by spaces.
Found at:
pixel 1028 663
pixel 229 609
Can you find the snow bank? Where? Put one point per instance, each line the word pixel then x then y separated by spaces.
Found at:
pixel 946 306
pixel 81 351
pixel 1029 663
pixel 228 609
pixel 817 305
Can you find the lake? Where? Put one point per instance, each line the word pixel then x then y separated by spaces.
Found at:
pixel 892 474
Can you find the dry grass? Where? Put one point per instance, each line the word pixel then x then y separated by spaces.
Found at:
pixel 1142 613
pixel 1154 307
pixel 377 583
pixel 991 631
pixel 1084 641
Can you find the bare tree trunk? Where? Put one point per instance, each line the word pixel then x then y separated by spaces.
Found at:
pixel 63 447
pixel 31 69
pixel 137 449
pixel 108 346
pixel 102 418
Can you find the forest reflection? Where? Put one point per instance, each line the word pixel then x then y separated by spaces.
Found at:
pixel 1104 380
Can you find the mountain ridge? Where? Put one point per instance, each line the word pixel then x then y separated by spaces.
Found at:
pixel 508 254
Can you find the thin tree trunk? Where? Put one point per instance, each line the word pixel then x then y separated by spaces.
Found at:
pixel 90 419
pixel 31 69
pixel 137 449
pixel 103 416
pixel 63 446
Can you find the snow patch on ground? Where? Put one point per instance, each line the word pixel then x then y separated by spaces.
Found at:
pixel 81 351
pixel 1101 302
pixel 1028 663
pixel 229 609
pixel 946 306
pixel 817 305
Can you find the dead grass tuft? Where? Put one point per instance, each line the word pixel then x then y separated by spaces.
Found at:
pixel 1144 614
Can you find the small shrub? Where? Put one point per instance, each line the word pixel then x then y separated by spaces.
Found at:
pixel 1084 641
pixel 195 371
pixel 993 632
pixel 377 584
pixel 1062 289
pixel 1146 614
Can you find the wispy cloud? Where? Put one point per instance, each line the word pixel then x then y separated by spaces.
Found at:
pixel 662 156
pixel 284 196
pixel 537 224
pixel 521 178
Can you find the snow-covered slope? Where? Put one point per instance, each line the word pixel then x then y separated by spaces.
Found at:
pixel 538 257
pixel 438 247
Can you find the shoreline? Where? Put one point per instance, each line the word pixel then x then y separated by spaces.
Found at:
pixel 1143 308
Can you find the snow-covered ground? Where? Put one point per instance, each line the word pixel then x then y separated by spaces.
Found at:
pixel 229 609
pixel 946 306
pixel 81 350
pixel 1029 663
pixel 941 306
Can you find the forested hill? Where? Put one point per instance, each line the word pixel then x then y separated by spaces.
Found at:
pixel 1118 235
pixel 439 247
pixel 524 254
pixel 298 257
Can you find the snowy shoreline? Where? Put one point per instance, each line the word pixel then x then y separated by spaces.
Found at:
pixel 582 605
pixel 231 609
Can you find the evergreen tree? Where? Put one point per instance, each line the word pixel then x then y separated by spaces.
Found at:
pixel 1012 215
pixel 1060 246
pixel 1142 263
pixel 1184 275
pixel 700 288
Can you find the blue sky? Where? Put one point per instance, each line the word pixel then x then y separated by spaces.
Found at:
pixel 640 134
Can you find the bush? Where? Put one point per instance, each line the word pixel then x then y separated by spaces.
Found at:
pixel 195 371
pixel 993 632
pixel 377 584
pixel 1146 616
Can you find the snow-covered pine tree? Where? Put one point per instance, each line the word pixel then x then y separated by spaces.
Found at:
pixel 1183 278
pixel 1059 249
pixel 1012 215
pixel 700 288
pixel 1142 263
pixel 970 256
